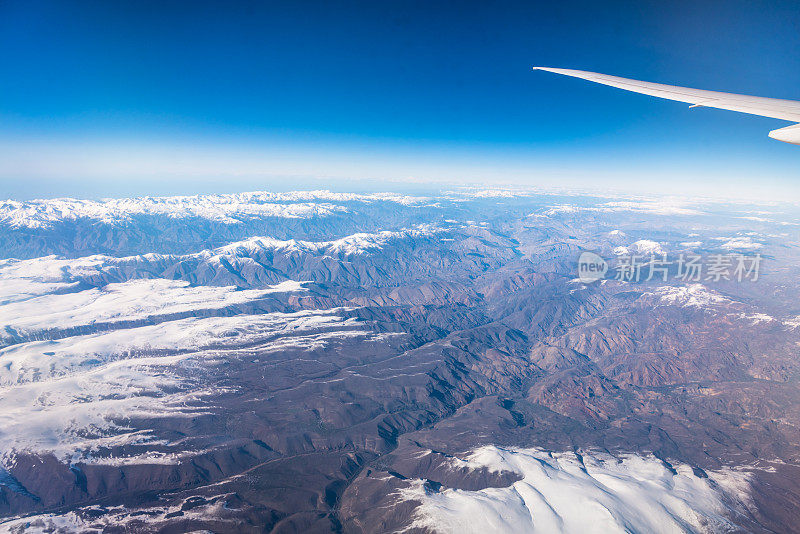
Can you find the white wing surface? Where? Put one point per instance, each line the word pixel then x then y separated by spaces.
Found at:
pixel 755 105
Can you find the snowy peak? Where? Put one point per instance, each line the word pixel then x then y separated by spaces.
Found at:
pixel 587 492
pixel 227 209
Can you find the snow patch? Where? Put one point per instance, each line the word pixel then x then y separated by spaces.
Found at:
pixel 693 295
pixel 643 246
pixel 584 493
pixel 756 318
pixel 71 396
pixel 739 243
pixel 126 301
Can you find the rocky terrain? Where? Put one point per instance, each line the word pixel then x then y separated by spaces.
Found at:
pixel 329 362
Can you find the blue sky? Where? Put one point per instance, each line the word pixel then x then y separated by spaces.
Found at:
pixel 103 98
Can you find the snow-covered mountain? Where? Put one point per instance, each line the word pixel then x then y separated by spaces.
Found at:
pixel 380 362
pixel 584 492
pixel 227 209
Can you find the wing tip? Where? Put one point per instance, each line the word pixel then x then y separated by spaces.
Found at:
pixel 565 72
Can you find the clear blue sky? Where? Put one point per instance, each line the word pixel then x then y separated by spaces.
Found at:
pixel 115 96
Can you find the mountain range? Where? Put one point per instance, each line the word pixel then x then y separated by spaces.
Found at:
pixel 380 362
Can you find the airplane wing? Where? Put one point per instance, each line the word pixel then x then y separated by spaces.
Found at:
pixel 766 107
